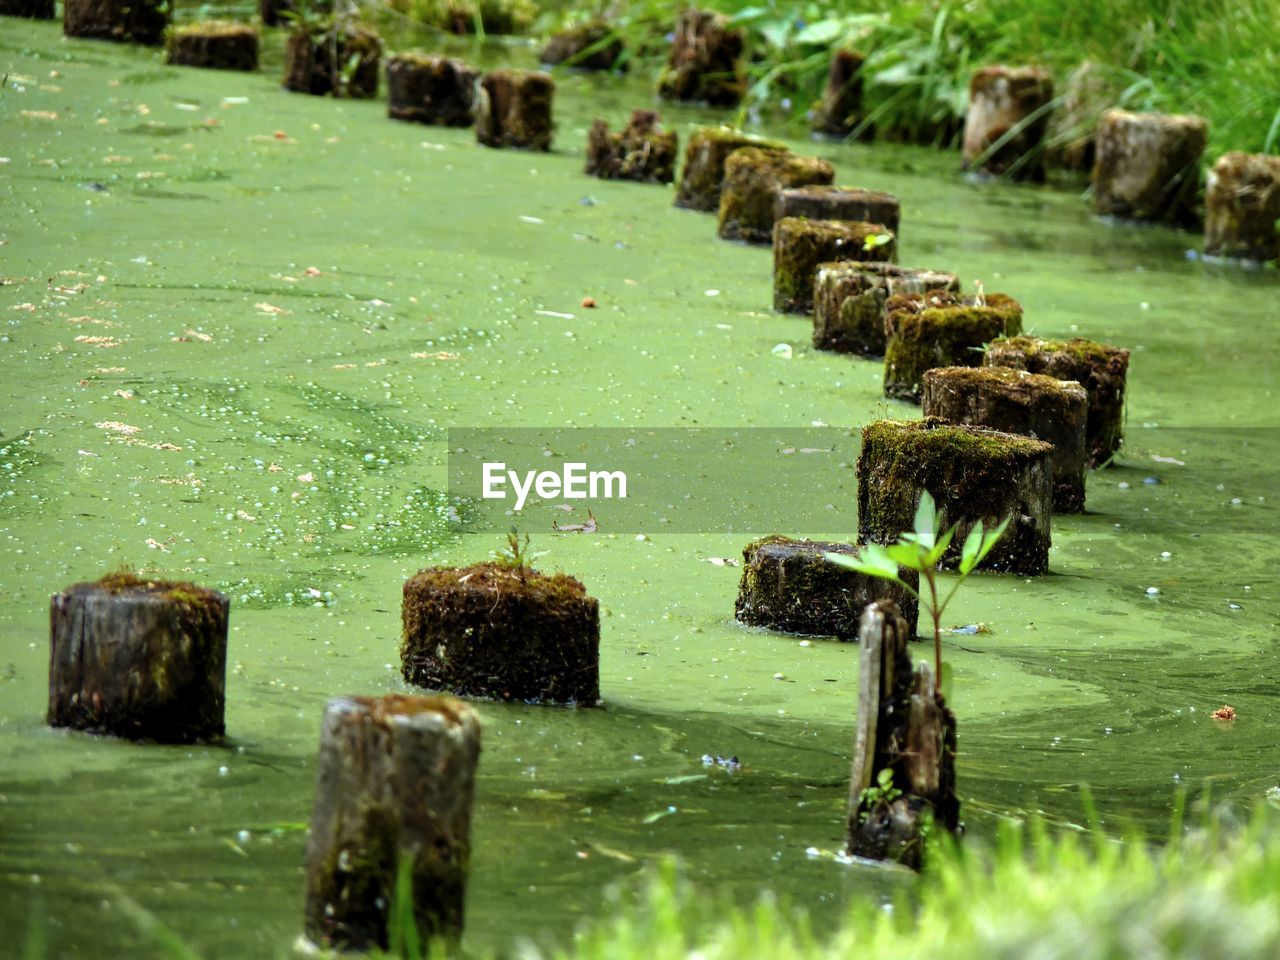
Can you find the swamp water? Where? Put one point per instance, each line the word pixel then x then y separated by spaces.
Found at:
pixel 234 326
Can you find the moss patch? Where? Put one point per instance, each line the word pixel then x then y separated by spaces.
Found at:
pixel 974 475
pixel 507 633
pixel 800 245
pixel 752 178
pixel 704 160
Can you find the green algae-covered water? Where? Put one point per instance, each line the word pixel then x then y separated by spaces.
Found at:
pixel 235 325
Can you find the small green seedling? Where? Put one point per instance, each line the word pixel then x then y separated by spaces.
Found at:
pixel 516 553
pixel 873 240
pixel 921 550
pixel 882 793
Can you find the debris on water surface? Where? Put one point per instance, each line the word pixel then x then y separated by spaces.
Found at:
pixel 972 629
pixel 720 561
pixel 783 350
pixel 1225 712
pixel 731 764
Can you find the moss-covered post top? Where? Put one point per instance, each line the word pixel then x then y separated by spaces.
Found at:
pixel 940 439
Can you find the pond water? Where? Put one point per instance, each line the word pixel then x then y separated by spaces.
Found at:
pixel 235 324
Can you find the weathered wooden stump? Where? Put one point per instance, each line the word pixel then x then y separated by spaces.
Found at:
pixel 939 329
pixel 840 110
pixel 1242 207
pixel 1090 90
pixel 341 59
pixel 705 64
pixel 273 12
pixel 143 659
pixel 752 178
pixel 461 17
pixel 704 160
pixel 33 9
pixel 1009 104
pixel 822 202
pixel 1148 166
pixel 394 788
pixel 1101 369
pixel 514 109
pixel 640 152
pixel 849 302
pixel 787 585
pixel 800 245
pixel 424 88
pixel 215 44
pixel 1015 401
pixel 975 476
pixel 124 21
pixel 594 45
pixel 904 757
pixel 506 633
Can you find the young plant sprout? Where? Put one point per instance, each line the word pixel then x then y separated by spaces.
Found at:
pixel 920 550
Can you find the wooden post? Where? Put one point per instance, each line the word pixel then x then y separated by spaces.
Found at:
pixel 840 109
pixel 1005 126
pixel 1242 205
pixel 905 728
pixel 143 659
pixel 394 785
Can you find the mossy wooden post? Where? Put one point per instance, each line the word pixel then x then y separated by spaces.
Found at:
pixel 975 476
pixel 124 21
pixel 1009 104
pixel 823 202
pixel 425 88
pixel 849 302
pixel 800 245
pixel 394 788
pixel 1147 166
pixel 702 177
pixel 788 585
pixel 32 9
pixel 501 632
pixel 213 44
pixel 273 12
pixel 1242 207
pixel 1101 369
pixel 705 63
pixel 640 152
pixel 514 109
pixel 1015 401
pixel 906 734
pixel 342 59
pixel 1090 90
pixel 938 329
pixel 752 178
pixel 136 658
pixel 840 110
pixel 594 45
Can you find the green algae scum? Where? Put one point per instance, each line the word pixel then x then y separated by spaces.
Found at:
pixel 235 325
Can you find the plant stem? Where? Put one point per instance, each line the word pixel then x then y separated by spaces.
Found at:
pixel 935 611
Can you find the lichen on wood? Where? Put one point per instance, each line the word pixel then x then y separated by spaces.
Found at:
pixel 849 300
pixel 788 585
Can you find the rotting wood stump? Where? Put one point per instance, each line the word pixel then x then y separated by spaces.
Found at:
pixel 514 109
pixel 904 758
pixel 1005 126
pixel 788 585
pixel 840 110
pixel 800 245
pixel 424 88
pixel 594 45
pixel 213 44
pixel 1014 401
pixel 124 21
pixel 394 790
pixel 1242 207
pixel 1147 166
pixel 342 59
pixel 1090 90
pixel 32 9
pixel 501 632
pixel 702 177
pixel 940 329
pixel 1101 369
pixel 640 152
pixel 136 658
pixel 752 178
pixel 824 202
pixel 849 302
pixel 705 63
pixel 273 12
pixel 975 476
